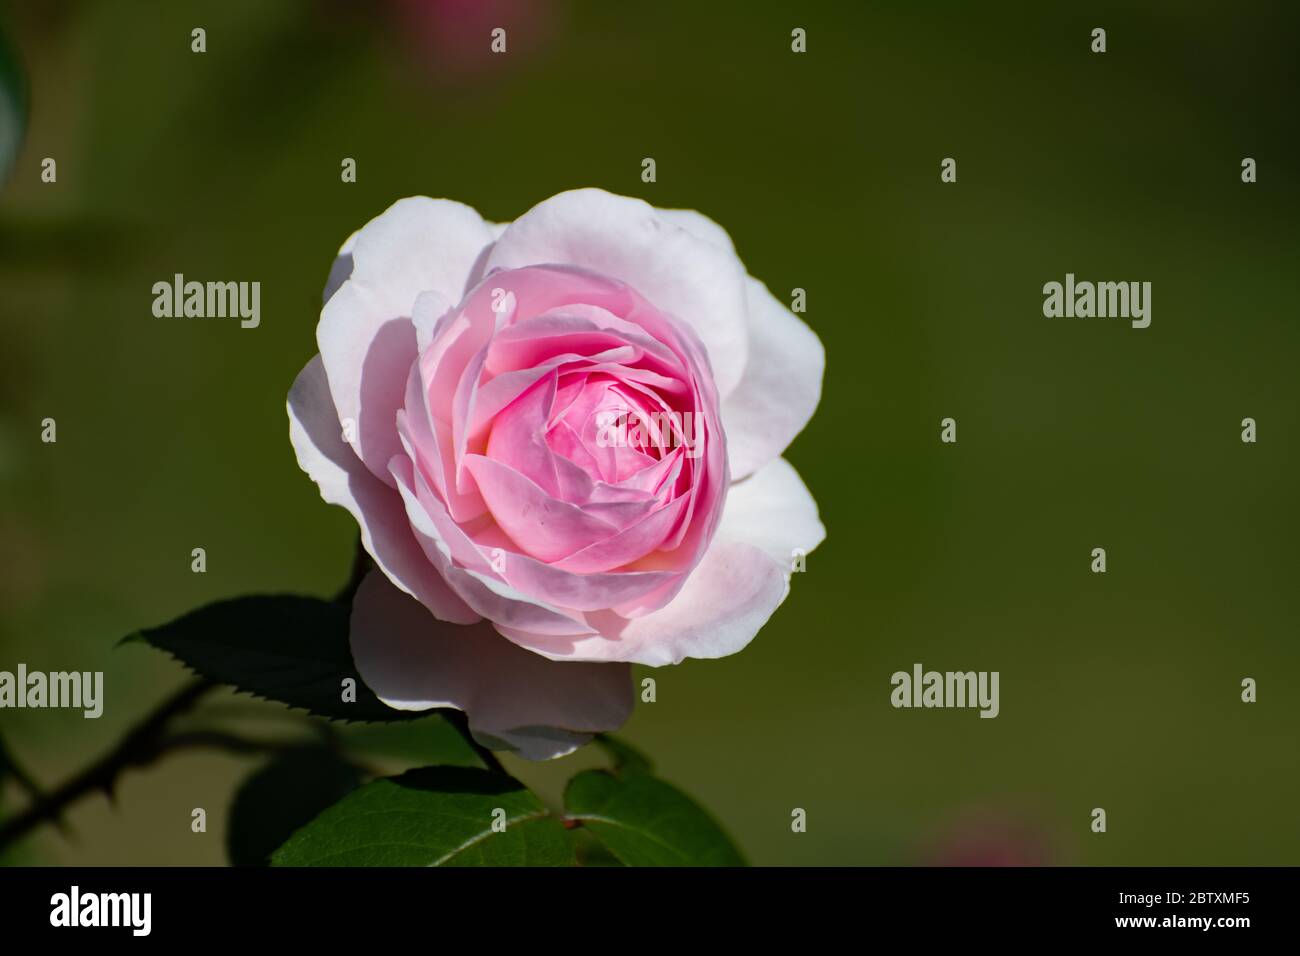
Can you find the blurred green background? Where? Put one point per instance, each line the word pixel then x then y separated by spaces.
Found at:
pixel 1119 691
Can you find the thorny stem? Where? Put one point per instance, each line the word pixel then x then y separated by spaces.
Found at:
pixel 140 747
pixel 459 721
pixel 144 745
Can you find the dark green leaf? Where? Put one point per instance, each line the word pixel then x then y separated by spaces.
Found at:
pixel 646 822
pixel 285 648
pixel 590 851
pixel 287 793
pixel 429 741
pixel 627 759
pixel 13 108
pixel 434 816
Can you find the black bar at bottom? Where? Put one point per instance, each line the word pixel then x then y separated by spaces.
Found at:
pixel 378 905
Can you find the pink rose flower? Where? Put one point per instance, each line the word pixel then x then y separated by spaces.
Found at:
pixel 564 435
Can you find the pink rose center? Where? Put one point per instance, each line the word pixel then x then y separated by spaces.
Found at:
pixel 569 422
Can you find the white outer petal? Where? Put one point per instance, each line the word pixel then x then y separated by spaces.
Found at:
pixel 365 335
pixel 780 388
pixel 773 510
pixel 340 269
pixel 699 225
pixel 781 385
pixel 723 605
pixel 513 698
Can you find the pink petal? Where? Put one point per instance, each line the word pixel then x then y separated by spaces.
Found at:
pixel 697 282
pixel 544 527
pixel 723 604
pixel 315 433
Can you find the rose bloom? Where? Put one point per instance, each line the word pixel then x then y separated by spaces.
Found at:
pixel 561 439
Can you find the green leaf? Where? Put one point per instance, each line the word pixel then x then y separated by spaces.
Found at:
pixel 627 759
pixel 285 648
pixel 287 793
pixel 590 851
pixel 429 741
pixel 434 816
pixel 646 822
pixel 13 109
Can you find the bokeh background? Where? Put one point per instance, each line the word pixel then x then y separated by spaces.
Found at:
pixel 1119 691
